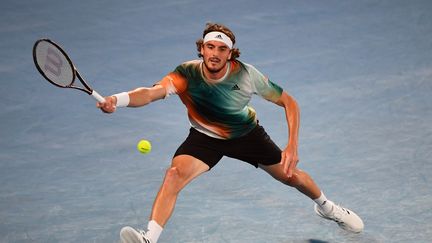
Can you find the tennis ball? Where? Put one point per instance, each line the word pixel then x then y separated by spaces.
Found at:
pixel 144 146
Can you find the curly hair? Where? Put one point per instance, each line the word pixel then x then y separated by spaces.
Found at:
pixel 235 52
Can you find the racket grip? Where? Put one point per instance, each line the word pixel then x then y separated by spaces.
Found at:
pixel 97 96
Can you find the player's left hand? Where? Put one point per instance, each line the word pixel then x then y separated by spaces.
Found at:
pixel 289 160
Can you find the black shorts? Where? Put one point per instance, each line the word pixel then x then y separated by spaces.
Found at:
pixel 255 148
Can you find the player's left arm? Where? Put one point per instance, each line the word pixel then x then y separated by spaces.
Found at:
pixel 292 112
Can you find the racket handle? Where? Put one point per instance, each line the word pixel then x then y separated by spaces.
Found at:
pixel 97 96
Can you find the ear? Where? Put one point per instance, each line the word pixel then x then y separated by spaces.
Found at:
pixel 230 54
pixel 202 50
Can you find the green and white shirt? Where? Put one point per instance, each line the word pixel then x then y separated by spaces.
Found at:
pixel 220 108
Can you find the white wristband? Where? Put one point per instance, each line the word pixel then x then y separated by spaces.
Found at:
pixel 122 99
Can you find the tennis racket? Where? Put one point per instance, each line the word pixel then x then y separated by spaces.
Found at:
pixel 56 67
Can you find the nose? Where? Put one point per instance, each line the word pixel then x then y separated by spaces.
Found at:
pixel 214 52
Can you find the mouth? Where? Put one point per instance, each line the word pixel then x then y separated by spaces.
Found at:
pixel 214 60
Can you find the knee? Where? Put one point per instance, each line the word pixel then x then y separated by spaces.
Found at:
pixel 172 179
pixel 293 181
pixel 172 174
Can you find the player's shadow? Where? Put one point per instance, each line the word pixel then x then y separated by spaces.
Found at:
pixel 316 241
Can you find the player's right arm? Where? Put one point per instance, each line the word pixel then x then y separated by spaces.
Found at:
pixel 173 83
pixel 143 96
pixel 137 98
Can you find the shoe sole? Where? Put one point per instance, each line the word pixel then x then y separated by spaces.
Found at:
pixel 130 235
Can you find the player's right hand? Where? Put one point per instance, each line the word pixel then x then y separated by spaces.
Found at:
pixel 109 106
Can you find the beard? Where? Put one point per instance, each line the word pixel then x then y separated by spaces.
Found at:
pixel 213 68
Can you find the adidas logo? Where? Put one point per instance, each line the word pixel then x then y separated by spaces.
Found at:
pixel 235 87
pixel 219 37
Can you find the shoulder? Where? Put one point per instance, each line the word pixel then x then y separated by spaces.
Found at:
pixel 247 69
pixel 250 68
pixel 239 66
pixel 189 68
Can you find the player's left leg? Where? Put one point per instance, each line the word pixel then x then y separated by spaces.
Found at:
pixel 300 180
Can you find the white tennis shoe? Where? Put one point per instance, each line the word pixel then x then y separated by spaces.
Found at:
pixel 345 218
pixel 131 235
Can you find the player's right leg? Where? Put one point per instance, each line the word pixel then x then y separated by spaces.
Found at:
pixel 184 169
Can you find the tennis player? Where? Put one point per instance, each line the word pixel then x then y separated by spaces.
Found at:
pixel 216 91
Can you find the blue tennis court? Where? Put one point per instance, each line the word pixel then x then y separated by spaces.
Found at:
pixel 361 72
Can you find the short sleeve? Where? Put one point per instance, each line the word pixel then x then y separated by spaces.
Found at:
pixel 174 83
pixel 263 86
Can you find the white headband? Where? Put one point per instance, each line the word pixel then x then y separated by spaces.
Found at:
pixel 218 36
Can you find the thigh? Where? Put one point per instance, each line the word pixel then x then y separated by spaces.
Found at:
pixel 277 171
pixel 187 168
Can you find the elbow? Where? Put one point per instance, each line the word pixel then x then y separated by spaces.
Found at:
pixel 287 101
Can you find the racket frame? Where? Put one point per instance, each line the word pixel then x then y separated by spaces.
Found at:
pixel 75 72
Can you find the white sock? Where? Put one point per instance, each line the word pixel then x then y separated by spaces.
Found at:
pixel 154 231
pixel 325 205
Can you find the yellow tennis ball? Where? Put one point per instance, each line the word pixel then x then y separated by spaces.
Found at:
pixel 144 146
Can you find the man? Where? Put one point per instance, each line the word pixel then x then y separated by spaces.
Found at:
pixel 216 91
